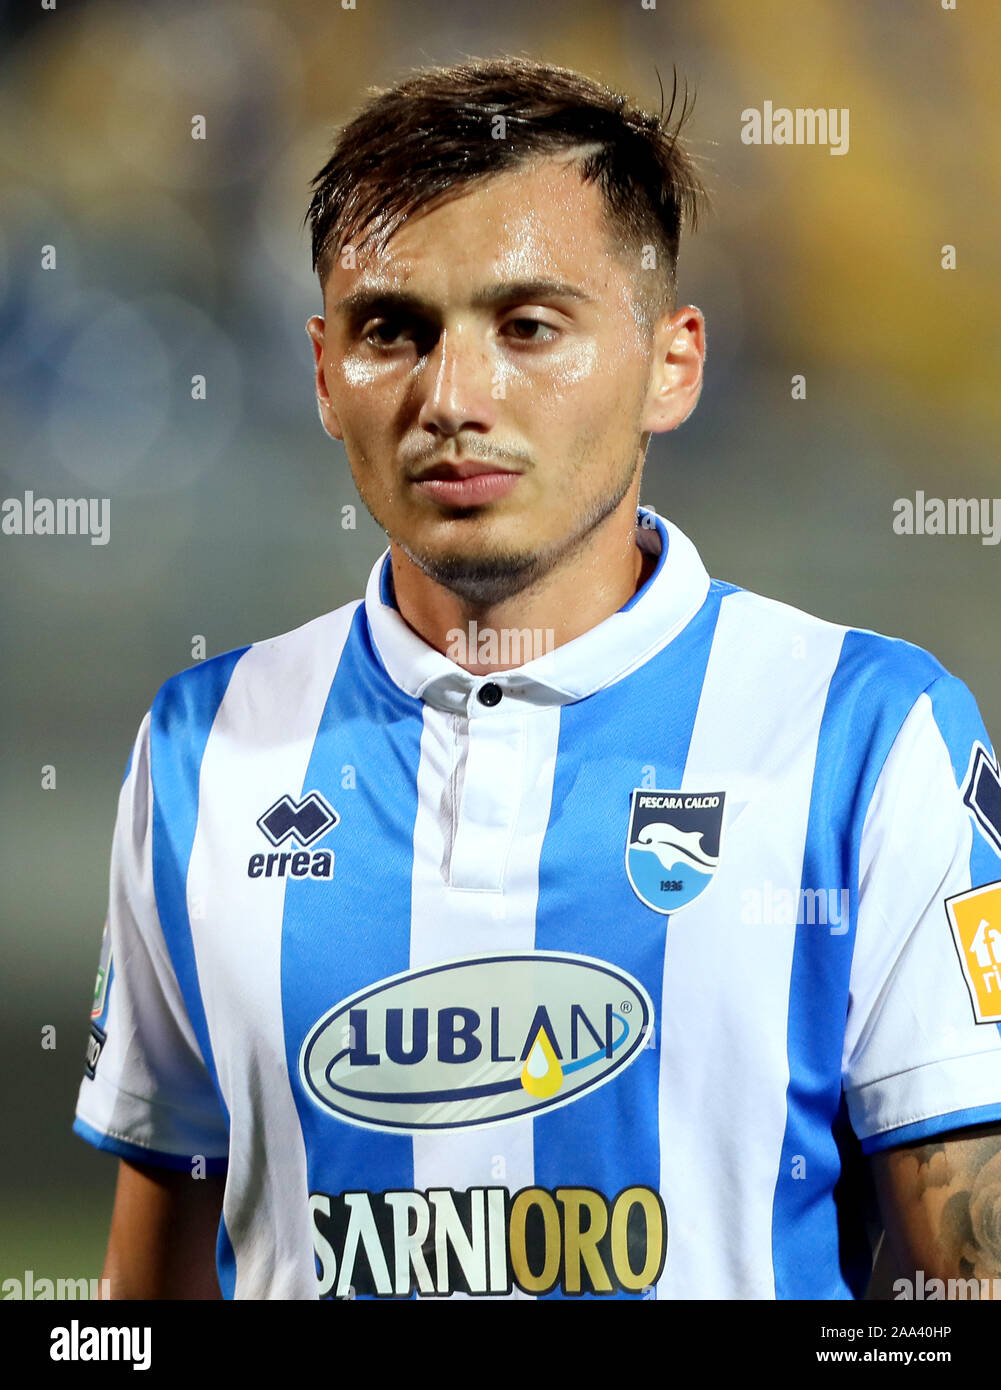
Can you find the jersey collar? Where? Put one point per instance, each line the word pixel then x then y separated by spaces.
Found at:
pixel 655 614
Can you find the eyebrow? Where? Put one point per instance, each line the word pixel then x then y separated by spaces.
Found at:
pixel 369 301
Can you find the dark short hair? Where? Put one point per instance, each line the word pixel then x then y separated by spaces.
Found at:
pixel 436 132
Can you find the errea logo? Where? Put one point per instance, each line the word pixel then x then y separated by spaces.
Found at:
pixel 297 824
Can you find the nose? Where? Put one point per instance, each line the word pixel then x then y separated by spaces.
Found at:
pixel 457 381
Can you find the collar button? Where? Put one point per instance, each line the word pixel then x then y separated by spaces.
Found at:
pixel 489 694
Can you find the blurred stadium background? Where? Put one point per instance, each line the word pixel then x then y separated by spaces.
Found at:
pixel 177 257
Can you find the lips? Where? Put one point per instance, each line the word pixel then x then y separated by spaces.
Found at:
pixel 466 482
pixel 460 468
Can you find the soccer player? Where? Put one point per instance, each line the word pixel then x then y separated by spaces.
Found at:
pixel 557 921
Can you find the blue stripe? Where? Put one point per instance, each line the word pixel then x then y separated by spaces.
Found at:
pixel 386 583
pixel 225 1261
pixel 339 936
pixel 636 733
pixel 927 1129
pixel 138 1153
pixel 817 1205
pixel 180 723
pixel 661 558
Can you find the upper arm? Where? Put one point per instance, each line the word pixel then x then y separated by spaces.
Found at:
pixel 163 1234
pixel 922 1063
pixel 922 1055
pixel 941 1205
pixel 148 1094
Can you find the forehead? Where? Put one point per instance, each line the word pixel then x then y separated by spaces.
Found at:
pixel 537 221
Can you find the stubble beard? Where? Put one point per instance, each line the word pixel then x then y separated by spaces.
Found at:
pixel 482 581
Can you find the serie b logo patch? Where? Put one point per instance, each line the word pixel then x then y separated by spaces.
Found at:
pixel 975 918
pixel 672 848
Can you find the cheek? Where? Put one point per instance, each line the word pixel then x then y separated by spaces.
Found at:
pixel 355 374
pixel 587 392
pixel 358 402
pixel 610 363
pixel 578 368
pixel 561 389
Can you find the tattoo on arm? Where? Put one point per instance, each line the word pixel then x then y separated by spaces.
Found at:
pixel 951 1190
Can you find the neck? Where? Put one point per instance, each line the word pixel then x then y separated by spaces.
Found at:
pixel 584 589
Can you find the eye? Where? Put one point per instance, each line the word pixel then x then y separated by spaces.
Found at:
pixel 531 330
pixel 387 331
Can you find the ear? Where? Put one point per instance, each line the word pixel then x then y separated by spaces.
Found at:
pixel 679 352
pixel 316 328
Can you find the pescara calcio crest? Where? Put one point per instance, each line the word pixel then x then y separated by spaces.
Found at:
pixel 673 845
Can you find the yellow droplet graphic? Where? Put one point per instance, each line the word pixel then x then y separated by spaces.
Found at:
pixel 542 1075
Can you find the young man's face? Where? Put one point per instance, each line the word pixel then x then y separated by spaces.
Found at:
pixel 498 334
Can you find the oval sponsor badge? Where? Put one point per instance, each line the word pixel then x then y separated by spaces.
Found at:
pixel 475 1041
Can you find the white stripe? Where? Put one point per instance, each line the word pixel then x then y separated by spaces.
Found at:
pixel 723 1084
pixel 451 921
pixel 259 748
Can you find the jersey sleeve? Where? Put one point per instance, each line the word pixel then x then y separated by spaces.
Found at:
pixel 147 1093
pixel 923 1044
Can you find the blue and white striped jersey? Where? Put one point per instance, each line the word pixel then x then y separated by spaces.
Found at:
pixel 599 976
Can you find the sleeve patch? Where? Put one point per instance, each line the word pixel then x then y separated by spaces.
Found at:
pixel 975 918
pixel 95 1044
pixel 103 976
pixel 982 794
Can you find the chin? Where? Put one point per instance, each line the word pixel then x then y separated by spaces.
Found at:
pixel 478 575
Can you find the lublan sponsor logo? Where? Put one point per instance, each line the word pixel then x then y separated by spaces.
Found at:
pixel 476 1041
pixel 488 1242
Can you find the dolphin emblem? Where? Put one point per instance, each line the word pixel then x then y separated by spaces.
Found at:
pixel 673 846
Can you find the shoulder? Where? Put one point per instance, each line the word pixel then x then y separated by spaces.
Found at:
pixel 256 675
pixel 850 690
pixel 862 665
